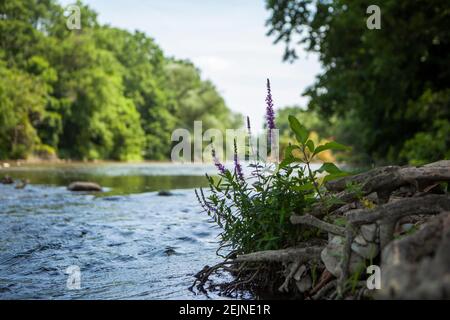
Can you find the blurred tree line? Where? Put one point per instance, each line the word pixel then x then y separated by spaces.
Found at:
pixel 95 93
pixel 385 92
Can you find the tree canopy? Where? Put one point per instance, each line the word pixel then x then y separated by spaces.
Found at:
pixel 95 93
pixel 389 88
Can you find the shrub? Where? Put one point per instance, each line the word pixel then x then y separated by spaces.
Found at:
pixel 429 146
pixel 254 211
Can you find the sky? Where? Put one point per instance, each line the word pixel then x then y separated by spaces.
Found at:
pixel 226 39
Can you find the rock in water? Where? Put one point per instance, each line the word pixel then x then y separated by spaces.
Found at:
pixel 84 186
pixel 7 180
pixel 165 193
pixel 22 184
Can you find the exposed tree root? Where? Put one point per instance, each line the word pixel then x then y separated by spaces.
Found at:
pixel 284 255
pixel 413 267
pixel 314 222
pixel 203 275
pixel 324 279
pixel 394 176
pixel 324 290
pixel 383 181
pixel 347 250
pixel 387 215
pixel 341 184
pixel 294 268
pixel 418 266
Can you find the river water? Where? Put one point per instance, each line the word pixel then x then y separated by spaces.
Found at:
pixel 128 242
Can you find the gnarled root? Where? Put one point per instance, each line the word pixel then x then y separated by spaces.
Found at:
pixel 383 181
pixel 387 215
pixel 284 255
pixel 418 266
pixel 414 267
pixel 315 222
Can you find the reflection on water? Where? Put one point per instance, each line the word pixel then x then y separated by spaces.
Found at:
pixel 129 243
pixel 117 178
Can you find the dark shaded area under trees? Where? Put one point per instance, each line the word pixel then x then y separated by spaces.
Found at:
pixel 385 92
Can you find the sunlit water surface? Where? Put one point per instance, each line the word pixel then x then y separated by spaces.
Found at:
pixel 128 242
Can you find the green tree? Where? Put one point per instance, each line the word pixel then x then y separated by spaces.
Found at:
pixel 95 93
pixel 375 81
pixel 195 99
pixel 22 103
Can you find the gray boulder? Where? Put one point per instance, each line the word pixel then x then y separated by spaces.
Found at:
pixel 332 254
pixel 369 232
pixel 7 180
pixel 369 251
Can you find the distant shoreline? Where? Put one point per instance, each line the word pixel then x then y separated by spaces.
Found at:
pixel 17 163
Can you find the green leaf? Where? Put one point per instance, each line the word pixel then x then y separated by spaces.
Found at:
pixel 288 157
pixel 304 187
pixel 330 146
pixel 286 162
pixel 330 168
pixel 335 176
pixel 310 145
pixel 300 131
pixel 289 149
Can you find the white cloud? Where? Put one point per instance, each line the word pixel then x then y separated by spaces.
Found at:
pixel 212 64
pixel 226 40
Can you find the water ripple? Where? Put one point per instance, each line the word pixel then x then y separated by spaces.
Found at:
pixel 138 246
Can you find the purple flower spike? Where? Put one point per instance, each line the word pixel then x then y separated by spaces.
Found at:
pixel 270 114
pixel 217 163
pixel 237 165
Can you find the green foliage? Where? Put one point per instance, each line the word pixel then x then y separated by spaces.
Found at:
pixel 300 131
pixel 95 93
pixel 298 153
pixel 255 216
pixel 254 212
pixel 310 119
pixel 382 90
pixel 22 103
pixel 433 142
pixel 329 146
pixel 429 146
pixel 356 189
pixel 321 131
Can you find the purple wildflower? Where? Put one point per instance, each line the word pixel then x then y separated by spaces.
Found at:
pixel 270 114
pixel 217 163
pixel 237 165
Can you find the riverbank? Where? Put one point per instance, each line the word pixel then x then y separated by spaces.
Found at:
pixel 40 161
pixel 117 177
pixel 380 234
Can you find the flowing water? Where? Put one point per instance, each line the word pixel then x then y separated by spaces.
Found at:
pixel 128 242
